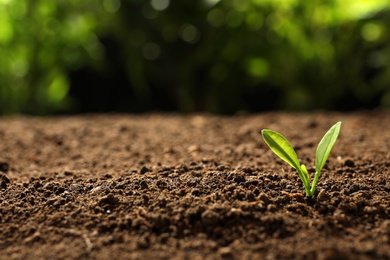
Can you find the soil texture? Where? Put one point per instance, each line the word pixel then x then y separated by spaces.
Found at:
pixel 169 186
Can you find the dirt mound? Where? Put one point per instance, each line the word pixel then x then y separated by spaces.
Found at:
pixel 192 187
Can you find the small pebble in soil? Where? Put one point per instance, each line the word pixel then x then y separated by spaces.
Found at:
pixel 144 170
pixel 349 163
pixel 225 253
pixel 289 186
pixel 322 196
pixel 271 208
pixel 76 187
pixel 264 198
pixel 4 167
pixel 68 173
pixel 4 181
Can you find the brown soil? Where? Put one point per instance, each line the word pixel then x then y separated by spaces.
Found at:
pixel 191 187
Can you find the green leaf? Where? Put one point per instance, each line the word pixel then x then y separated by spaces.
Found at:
pixel 281 147
pixel 325 146
pixel 304 171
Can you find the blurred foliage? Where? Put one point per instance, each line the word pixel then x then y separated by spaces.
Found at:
pixel 212 55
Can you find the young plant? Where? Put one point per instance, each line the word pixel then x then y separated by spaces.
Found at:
pixel 282 148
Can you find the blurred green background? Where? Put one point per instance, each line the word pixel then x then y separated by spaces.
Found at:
pixel 219 56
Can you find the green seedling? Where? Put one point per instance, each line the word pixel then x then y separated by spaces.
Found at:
pixel 282 148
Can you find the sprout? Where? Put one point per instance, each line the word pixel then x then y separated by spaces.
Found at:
pixel 282 148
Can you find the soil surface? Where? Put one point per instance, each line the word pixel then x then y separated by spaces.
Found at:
pixel 168 186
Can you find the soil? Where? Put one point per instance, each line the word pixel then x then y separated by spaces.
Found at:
pixel 169 186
